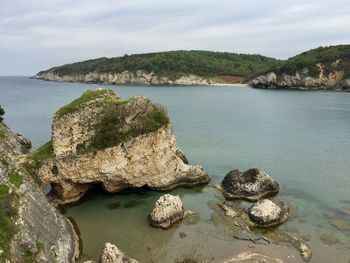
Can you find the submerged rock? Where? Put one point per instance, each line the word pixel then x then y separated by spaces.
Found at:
pixel 340 224
pixel 249 257
pixel 328 239
pixel 250 185
pixel 167 210
pixel 112 254
pixel 267 213
pixel 231 209
pixel 100 139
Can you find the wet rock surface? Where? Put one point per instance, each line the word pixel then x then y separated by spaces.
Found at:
pixel 267 213
pixel 112 254
pixel 251 185
pixel 167 210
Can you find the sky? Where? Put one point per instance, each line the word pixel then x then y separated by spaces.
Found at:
pixel 37 35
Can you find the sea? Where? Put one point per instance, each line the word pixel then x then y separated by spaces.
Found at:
pixel 300 138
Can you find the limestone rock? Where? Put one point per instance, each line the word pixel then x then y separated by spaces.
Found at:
pixel 139 77
pixel 25 142
pixel 167 210
pixel 112 254
pixel 251 185
pixel 267 213
pixel 119 144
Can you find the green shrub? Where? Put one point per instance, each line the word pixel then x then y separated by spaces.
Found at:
pixel 36 158
pixel 16 178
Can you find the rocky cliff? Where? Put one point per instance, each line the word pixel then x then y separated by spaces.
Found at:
pixel 126 78
pixel 31 229
pixel 325 68
pixel 100 139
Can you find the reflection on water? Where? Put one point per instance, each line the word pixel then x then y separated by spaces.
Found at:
pixel 299 138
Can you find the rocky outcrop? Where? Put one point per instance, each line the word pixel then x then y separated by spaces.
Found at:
pixel 100 139
pixel 112 254
pixel 250 185
pixel 267 213
pixel 36 231
pixel 302 79
pixel 167 210
pixel 139 77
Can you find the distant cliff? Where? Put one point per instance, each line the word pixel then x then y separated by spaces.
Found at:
pixel 164 68
pixel 325 68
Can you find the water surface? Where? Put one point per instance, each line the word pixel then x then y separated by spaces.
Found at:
pixel 301 138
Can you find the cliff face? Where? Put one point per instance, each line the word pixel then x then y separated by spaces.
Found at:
pixel 139 77
pixel 100 139
pixel 321 68
pixel 332 81
pixel 31 229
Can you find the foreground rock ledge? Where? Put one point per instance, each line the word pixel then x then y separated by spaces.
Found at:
pixel 167 210
pixel 101 139
pixel 267 213
pixel 250 185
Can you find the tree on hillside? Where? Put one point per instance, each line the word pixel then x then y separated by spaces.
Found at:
pixel 2 112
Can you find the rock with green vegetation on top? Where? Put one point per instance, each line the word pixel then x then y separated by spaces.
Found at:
pixel 174 67
pixel 119 144
pixel 321 68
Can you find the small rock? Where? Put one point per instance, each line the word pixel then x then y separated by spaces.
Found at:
pixel 248 257
pixel 112 254
pixel 251 185
pixel 267 213
pixel 182 235
pixel 329 239
pixel 25 142
pixel 305 252
pixel 168 210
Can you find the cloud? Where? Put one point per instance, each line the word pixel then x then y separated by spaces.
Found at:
pixel 35 35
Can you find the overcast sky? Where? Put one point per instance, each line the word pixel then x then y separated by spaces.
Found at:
pixel 36 35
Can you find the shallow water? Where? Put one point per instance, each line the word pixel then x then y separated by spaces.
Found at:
pixel 301 138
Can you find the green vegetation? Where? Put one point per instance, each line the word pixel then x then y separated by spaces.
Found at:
pixel 8 212
pixel 174 64
pixel 30 256
pixel 16 178
pixel 109 132
pixel 2 112
pixel 325 55
pixel 87 96
pixel 36 159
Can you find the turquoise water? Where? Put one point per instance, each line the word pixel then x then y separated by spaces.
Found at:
pixel 300 138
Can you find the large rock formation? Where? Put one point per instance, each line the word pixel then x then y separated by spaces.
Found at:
pixel 250 185
pixel 100 139
pixel 267 213
pixel 167 210
pixel 139 77
pixel 31 229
